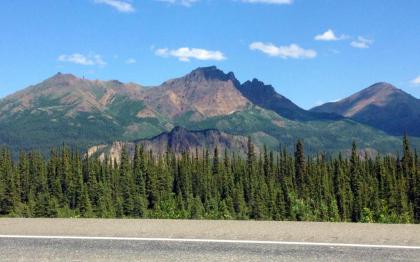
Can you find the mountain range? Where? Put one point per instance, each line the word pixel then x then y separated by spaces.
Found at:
pixel 86 113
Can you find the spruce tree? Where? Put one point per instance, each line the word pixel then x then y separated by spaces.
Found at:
pixel 85 208
pixel 126 183
pixel 356 184
pixel 300 169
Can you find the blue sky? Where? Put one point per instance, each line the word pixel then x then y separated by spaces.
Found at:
pixel 311 51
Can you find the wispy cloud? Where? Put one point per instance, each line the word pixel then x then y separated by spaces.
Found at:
pixel 185 54
pixel 329 35
pixel 130 61
pixel 290 51
pixel 273 2
pixel 361 42
pixel 416 81
pixel 120 5
pixel 79 59
pixel 180 2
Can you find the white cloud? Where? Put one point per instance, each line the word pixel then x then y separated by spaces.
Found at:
pixel 290 51
pixel 329 35
pixel 130 61
pixel 185 54
pixel 76 58
pixel 416 81
pixel 120 5
pixel 361 42
pixel 180 2
pixel 276 2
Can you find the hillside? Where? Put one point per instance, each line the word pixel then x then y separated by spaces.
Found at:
pixel 382 106
pixel 71 110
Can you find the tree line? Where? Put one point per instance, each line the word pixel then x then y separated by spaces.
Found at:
pixel 213 185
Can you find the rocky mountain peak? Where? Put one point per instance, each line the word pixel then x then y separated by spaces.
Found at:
pixel 380 89
pixel 258 86
pixel 60 77
pixel 382 86
pixel 377 94
pixel 211 73
pixel 206 91
pixel 60 81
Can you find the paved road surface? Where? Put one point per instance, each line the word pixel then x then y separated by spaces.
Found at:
pixel 172 240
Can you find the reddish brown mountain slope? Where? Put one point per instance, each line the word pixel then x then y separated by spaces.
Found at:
pixel 382 106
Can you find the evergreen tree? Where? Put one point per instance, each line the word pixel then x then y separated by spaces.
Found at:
pixel 300 169
pixel 126 183
pixel 85 205
pixel 356 184
pixel 10 197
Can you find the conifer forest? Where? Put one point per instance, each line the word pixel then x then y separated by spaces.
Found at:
pixel 213 185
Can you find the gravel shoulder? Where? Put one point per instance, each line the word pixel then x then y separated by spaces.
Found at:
pixel 376 234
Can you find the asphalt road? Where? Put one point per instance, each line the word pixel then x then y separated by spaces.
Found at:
pixel 173 240
pixel 111 250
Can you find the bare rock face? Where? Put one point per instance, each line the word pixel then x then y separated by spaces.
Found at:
pixel 182 140
pixel 179 140
pixel 382 106
pixel 205 91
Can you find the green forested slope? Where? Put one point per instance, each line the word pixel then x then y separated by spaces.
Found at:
pixel 213 185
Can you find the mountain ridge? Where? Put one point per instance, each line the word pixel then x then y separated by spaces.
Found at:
pixel 382 106
pixel 266 97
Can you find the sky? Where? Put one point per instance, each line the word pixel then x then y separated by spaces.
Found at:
pixel 311 51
